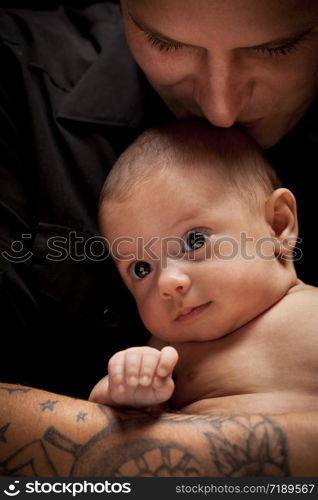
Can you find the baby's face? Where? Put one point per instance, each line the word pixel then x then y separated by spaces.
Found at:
pixel 198 261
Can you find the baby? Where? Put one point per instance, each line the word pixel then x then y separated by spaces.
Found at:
pixel 204 238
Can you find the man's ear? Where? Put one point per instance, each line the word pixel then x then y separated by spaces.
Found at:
pixel 281 214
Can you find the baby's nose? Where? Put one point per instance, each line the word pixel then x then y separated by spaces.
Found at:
pixel 173 282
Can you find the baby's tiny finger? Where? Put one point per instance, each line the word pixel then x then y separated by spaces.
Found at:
pixel 116 368
pixel 148 367
pixel 167 362
pixel 133 359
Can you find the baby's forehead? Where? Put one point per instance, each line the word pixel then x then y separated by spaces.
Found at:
pixel 194 168
pixel 168 197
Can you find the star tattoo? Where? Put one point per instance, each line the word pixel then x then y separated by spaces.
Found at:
pixel 48 405
pixel 81 416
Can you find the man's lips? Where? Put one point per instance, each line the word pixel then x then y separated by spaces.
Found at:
pixel 188 313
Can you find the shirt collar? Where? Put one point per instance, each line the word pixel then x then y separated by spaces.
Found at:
pixel 113 90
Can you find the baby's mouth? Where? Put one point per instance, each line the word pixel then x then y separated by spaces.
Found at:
pixel 191 312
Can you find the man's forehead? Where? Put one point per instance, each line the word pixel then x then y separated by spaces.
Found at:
pixel 299 11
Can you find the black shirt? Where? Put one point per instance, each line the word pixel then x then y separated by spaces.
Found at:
pixel 71 100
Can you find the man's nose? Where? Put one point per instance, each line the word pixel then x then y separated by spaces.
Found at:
pixel 173 282
pixel 224 91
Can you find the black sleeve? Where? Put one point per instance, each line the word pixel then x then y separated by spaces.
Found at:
pixel 18 303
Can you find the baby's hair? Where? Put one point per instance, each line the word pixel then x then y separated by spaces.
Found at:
pixel 190 145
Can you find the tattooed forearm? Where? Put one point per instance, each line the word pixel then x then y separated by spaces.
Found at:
pixel 139 445
pixel 187 446
pixel 80 438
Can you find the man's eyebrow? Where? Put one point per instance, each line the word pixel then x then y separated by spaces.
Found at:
pixel 281 41
pixel 150 31
pixel 291 38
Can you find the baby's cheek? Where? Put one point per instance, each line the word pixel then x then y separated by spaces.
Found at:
pixel 148 313
pixel 154 321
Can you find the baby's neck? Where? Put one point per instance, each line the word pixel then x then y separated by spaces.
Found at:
pixel 287 283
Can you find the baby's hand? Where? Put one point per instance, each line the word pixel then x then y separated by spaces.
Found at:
pixel 138 377
pixel 142 376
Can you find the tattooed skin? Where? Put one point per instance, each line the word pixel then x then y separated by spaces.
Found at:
pixel 221 446
pixel 3 429
pixel 81 416
pixel 48 405
pixel 260 451
pixel 10 390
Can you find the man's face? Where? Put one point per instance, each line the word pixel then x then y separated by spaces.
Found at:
pixel 197 269
pixel 251 62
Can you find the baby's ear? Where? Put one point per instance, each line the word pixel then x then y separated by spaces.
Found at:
pixel 281 214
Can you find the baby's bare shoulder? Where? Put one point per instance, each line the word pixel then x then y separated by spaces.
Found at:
pixel 302 297
pixel 298 310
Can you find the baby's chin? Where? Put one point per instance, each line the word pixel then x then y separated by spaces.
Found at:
pixel 193 334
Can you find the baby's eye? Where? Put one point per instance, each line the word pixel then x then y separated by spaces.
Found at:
pixel 141 269
pixel 194 240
